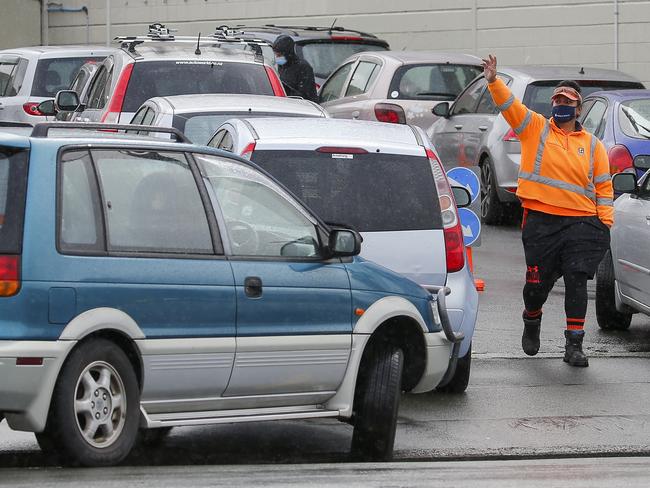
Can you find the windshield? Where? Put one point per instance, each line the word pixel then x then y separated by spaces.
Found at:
pixel 634 118
pixel 538 94
pixel 324 57
pixel 57 74
pixel 370 192
pixel 431 81
pixel 13 178
pixel 165 78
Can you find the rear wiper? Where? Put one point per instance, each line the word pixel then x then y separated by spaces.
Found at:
pixel 635 124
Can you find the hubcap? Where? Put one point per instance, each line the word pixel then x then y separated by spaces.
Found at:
pixel 100 404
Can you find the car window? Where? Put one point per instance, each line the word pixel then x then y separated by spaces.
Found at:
pixel 166 78
pixel 98 95
pixel 139 116
pixel 149 115
pixel 634 118
pixel 226 143
pixel 13 182
pixel 56 74
pixel 486 104
pixel 261 219
pixel 332 88
pixel 350 190
pixel 214 142
pixel 431 81
pixel 362 78
pixel 538 94
pixel 79 226
pixel 151 202
pixel 594 117
pixel 12 74
pixel 324 57
pixel 79 81
pixel 468 100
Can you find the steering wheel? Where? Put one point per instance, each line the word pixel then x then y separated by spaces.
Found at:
pixel 243 238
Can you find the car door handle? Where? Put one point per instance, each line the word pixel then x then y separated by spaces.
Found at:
pixel 355 114
pixel 482 128
pixel 458 127
pixel 253 286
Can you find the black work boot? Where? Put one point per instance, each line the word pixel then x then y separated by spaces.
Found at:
pixel 530 337
pixel 573 350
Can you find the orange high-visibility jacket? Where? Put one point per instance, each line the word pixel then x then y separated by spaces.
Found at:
pixel 561 173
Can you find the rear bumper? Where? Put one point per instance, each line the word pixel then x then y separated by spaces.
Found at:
pixel 506 170
pixel 25 391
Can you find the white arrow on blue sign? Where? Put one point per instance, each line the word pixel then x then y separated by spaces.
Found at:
pixel 467 179
pixel 471 225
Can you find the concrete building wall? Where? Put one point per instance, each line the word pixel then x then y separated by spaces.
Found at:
pixel 579 32
pixel 20 23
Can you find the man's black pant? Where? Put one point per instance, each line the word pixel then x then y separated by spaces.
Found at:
pixel 557 246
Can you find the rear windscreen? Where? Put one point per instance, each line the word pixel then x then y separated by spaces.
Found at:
pixel 431 81
pixel 166 78
pixel 57 74
pixel 370 192
pixel 324 57
pixel 13 180
pixel 538 94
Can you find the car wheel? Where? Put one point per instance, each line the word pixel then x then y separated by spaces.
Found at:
pixel 460 380
pixel 607 316
pixel 95 409
pixel 493 211
pixel 377 403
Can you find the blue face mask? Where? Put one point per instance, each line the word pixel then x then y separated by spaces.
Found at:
pixel 563 113
pixel 280 60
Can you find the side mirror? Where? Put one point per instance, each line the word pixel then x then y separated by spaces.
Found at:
pixel 66 101
pixel 624 182
pixel 46 107
pixel 344 242
pixel 462 196
pixel 441 109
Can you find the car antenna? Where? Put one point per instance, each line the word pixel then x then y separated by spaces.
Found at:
pixel 198 49
pixel 332 26
pixel 582 70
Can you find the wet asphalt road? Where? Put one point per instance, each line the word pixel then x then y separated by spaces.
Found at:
pixel 516 407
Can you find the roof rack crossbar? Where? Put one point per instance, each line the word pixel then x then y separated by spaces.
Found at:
pixel 42 129
pixel 336 28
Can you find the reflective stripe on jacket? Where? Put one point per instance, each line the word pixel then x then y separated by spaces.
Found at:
pixel 560 173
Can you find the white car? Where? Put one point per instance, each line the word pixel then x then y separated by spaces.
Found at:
pixel 30 75
pixel 199 116
pixel 386 181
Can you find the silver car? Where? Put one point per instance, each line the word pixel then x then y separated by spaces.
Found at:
pixel 30 75
pixel 623 277
pixel 387 182
pixel 397 86
pixel 470 131
pixel 198 116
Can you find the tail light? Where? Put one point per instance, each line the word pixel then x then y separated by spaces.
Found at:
pixel 391 113
pixel 9 275
pixel 345 38
pixel 511 136
pixel 453 232
pixel 112 116
pixel 31 108
pixel 247 153
pixel 620 159
pixel 276 84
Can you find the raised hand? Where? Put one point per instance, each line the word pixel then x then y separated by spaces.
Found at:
pixel 490 68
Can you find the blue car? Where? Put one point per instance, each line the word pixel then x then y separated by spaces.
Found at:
pixel 146 284
pixel 621 119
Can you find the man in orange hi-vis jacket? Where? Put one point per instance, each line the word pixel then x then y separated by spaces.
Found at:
pixel 566 191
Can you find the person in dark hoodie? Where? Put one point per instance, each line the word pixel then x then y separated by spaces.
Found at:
pixel 296 74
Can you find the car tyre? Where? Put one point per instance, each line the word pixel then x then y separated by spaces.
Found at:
pixel 376 404
pixel 460 380
pixel 493 211
pixel 607 316
pixel 95 408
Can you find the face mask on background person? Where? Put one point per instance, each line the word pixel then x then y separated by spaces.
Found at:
pixel 280 60
pixel 563 113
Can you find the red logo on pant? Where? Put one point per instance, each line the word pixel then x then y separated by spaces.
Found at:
pixel 532 274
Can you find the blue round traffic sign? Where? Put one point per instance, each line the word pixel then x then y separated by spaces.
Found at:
pixel 467 179
pixel 471 225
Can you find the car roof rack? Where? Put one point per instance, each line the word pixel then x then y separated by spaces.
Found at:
pixel 42 129
pixel 312 28
pixel 222 34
